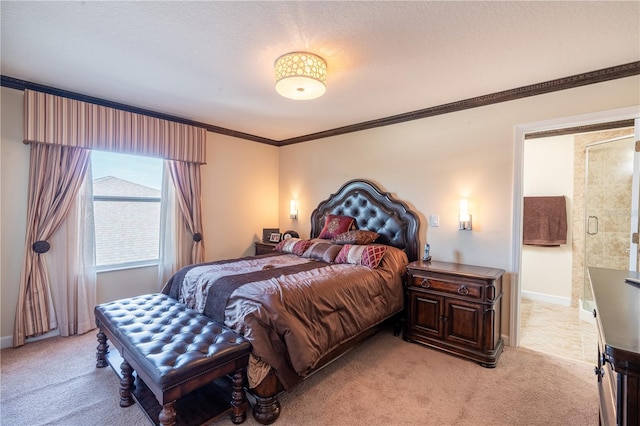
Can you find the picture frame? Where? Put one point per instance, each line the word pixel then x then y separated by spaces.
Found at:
pixel 274 237
pixel 266 233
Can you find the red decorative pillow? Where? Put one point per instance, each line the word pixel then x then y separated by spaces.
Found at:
pixel 357 236
pixel 294 246
pixel 369 256
pixel 335 225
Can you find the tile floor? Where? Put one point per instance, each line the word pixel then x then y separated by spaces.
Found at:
pixel 557 330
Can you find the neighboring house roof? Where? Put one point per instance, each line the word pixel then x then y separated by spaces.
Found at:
pixel 113 186
pixel 126 230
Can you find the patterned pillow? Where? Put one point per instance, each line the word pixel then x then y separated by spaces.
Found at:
pixel 357 236
pixel 369 256
pixel 322 250
pixel 335 225
pixel 294 246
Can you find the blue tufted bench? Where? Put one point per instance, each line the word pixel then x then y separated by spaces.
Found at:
pixel 173 349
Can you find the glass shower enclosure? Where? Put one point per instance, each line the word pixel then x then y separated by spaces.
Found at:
pixel 611 208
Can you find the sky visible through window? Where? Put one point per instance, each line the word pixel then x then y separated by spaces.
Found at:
pixel 145 171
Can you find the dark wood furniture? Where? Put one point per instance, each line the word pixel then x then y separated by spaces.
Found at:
pixel 264 248
pixel 144 330
pixel 617 314
pixel 455 308
pixel 373 210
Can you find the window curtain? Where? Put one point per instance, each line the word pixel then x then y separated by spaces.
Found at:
pixel 61 132
pixel 71 265
pixel 181 241
pixel 56 120
pixel 186 180
pixel 56 174
pixel 175 239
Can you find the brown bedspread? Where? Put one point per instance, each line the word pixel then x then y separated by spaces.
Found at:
pixel 293 310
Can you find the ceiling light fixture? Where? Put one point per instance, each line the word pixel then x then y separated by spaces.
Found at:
pixel 301 75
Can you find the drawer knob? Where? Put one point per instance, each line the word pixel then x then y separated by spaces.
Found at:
pixel 425 283
pixel 463 290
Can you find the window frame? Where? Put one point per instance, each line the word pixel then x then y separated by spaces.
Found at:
pixel 119 198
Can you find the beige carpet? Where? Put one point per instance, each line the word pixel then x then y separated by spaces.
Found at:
pixel 385 381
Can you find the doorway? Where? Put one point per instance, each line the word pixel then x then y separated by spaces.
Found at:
pixel 627 115
pixel 594 173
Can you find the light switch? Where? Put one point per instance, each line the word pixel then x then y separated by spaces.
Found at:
pixel 434 221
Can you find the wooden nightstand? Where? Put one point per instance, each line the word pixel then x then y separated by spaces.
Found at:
pixel 264 248
pixel 455 308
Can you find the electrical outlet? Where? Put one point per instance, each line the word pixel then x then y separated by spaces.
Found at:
pixel 434 221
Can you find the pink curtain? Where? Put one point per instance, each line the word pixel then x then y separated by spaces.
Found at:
pixel 56 120
pixel 55 176
pixel 186 179
pixel 61 132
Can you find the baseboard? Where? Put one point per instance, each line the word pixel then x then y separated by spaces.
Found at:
pixel 52 333
pixel 7 341
pixel 506 339
pixel 547 298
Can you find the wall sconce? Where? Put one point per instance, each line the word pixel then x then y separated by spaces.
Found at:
pixel 293 210
pixel 465 217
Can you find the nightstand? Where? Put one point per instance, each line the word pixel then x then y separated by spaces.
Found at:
pixel 264 248
pixel 455 308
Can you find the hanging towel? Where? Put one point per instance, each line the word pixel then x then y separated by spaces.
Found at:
pixel 544 221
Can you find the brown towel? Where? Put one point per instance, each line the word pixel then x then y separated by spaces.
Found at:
pixel 544 221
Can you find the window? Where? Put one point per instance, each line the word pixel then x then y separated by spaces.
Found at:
pixel 126 201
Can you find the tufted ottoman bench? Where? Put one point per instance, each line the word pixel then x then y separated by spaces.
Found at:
pixel 173 349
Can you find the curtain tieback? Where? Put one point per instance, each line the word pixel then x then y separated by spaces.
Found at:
pixel 41 247
pixel 197 237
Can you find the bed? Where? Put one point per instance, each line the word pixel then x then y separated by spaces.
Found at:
pixel 312 299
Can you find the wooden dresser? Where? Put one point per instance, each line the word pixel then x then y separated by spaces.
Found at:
pixel 617 314
pixel 455 308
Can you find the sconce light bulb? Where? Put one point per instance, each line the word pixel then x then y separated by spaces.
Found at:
pixel 464 216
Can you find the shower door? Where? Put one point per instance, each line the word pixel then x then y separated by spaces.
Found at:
pixel 611 208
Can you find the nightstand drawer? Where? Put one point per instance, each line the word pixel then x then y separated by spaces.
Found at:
pixel 264 248
pixel 463 289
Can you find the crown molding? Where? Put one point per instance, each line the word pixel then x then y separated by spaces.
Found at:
pixel 605 74
pixel 581 129
pixel 598 76
pixel 18 84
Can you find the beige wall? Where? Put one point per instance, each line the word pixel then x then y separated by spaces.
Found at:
pixel 430 163
pixel 13 201
pixel 548 171
pixel 433 162
pixel 240 195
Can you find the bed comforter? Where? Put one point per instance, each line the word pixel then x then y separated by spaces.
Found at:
pixel 294 310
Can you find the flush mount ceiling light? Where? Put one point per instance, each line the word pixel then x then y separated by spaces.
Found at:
pixel 301 75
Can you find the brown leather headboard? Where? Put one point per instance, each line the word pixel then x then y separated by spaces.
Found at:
pixel 374 210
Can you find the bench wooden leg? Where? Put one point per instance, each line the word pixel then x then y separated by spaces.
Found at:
pixel 238 398
pixel 167 416
pixel 126 384
pixel 103 349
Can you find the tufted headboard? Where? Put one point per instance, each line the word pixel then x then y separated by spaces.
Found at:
pixel 374 210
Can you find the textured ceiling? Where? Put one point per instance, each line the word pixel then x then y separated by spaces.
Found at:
pixel 212 62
